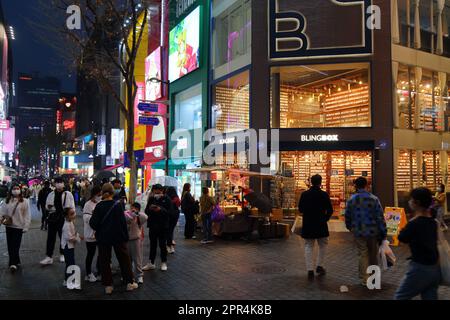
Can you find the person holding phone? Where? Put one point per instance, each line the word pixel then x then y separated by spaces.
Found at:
pixel 158 210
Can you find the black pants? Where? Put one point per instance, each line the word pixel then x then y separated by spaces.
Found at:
pixel 53 229
pixel 44 215
pixel 91 248
pixel 190 225
pixel 172 225
pixel 13 239
pixel 121 251
pixel 69 256
pixel 158 235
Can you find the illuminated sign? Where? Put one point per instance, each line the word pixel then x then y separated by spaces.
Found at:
pixel 153 70
pixel 228 140
pixel 4 124
pixel 115 141
pixel 320 138
pixel 295 32
pixel 183 6
pixel 69 124
pixel 101 145
pixel 182 144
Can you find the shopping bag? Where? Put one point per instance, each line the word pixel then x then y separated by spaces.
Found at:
pixel 444 256
pixel 387 257
pixel 297 225
pixel 217 215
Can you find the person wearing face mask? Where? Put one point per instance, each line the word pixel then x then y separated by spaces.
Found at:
pixel 158 211
pixel 119 191
pixel 57 201
pixel 421 233
pixel 17 219
pixel 439 200
pixel 89 233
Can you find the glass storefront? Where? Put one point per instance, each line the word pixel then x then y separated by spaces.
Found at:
pixel 337 168
pixel 231 36
pixel 188 109
pixel 320 96
pixel 423 98
pixel 231 104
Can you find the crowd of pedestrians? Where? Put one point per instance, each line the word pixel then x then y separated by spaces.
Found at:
pixel 109 226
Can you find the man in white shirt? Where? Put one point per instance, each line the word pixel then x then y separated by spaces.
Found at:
pixel 56 202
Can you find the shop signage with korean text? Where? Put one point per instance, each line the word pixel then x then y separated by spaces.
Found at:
pixel 148 121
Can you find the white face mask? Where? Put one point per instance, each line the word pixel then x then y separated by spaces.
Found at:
pixel 59 186
pixel 16 192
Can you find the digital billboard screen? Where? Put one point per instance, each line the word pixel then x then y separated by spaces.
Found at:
pixel 184 46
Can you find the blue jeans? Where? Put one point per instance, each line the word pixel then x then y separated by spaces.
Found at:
pixel 420 279
pixel 207 226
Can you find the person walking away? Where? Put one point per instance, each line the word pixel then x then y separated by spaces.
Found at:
pixel 173 218
pixel 440 199
pixel 424 274
pixel 68 241
pixel 158 209
pixel 57 201
pixel 17 219
pixel 189 207
pixel 119 191
pixel 136 220
pixel 108 222
pixel 42 198
pixel 364 217
pixel 207 204
pixel 316 207
pixel 85 192
pixel 3 191
pixel 89 233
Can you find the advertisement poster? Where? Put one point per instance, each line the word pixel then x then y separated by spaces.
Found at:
pixel 140 132
pixel 153 90
pixel 395 221
pixel 184 46
pixel 9 137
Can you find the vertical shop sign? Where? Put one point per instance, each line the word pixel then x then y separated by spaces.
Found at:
pixel 115 143
pixel 101 145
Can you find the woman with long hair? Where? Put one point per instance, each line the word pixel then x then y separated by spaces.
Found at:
pixel 174 215
pixel 189 209
pixel 89 234
pixel 16 218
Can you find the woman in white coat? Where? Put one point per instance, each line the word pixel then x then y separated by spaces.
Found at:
pixel 17 218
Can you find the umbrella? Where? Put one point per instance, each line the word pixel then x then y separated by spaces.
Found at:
pixel 165 181
pixel 260 201
pixel 104 175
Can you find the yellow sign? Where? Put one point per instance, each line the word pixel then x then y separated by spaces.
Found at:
pixel 140 136
pixel 395 222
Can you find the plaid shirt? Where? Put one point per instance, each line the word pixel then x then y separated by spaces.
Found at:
pixel 364 216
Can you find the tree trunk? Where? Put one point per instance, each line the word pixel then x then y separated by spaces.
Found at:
pixel 130 145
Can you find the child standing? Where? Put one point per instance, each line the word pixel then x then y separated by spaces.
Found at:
pixel 68 240
pixel 135 220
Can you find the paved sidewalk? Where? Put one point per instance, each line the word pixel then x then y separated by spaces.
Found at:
pixel 236 269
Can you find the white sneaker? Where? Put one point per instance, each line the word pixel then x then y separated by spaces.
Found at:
pixel 149 266
pixel 163 266
pixel 13 268
pixel 90 278
pixel 47 261
pixel 61 259
pixel 109 290
pixel 132 286
pixel 140 280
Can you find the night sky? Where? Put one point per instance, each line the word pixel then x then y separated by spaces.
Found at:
pixel 30 54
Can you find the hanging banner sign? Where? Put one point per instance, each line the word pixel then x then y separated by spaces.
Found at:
pixel 101 145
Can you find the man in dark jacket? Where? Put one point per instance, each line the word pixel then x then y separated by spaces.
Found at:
pixel 158 211
pixel 42 198
pixel 315 205
pixel 111 231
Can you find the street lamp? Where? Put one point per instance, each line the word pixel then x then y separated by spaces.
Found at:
pixel 167 83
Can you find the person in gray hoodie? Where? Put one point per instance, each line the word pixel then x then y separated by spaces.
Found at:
pixel 136 220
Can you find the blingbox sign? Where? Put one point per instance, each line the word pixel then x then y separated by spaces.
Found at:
pixel 343 28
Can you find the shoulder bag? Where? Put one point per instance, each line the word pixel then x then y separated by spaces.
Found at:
pixel 7 220
pixel 55 216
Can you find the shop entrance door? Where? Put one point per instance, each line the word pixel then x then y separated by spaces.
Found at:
pixel 338 169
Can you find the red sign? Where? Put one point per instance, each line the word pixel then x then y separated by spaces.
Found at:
pixel 4 124
pixel 69 124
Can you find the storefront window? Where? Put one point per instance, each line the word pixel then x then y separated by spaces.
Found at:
pixel 320 96
pixel 337 168
pixel 231 48
pixel 188 109
pixel 231 104
pixel 406 28
pixel 431 170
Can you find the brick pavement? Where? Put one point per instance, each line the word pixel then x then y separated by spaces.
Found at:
pixel 272 270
